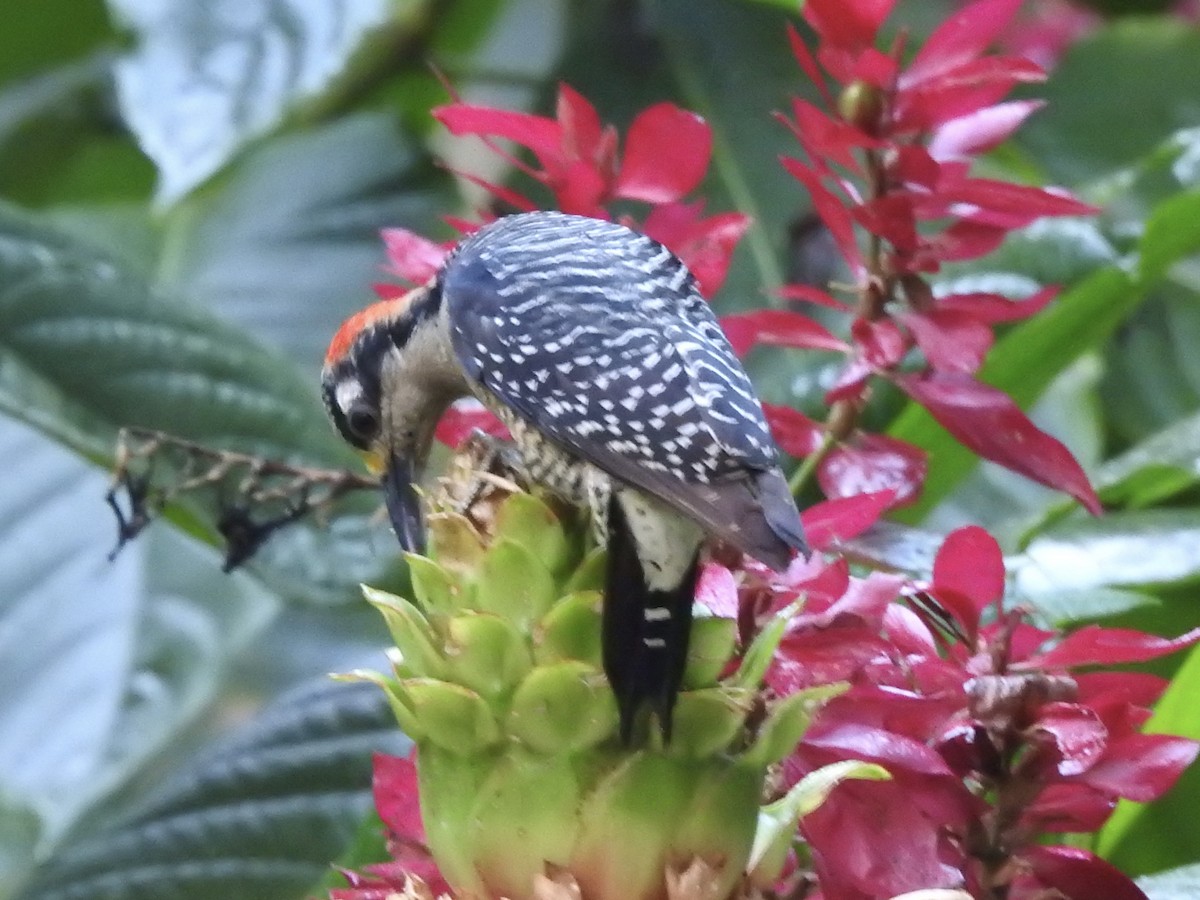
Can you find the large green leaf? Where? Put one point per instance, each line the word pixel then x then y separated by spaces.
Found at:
pixel 204 79
pixel 1123 549
pixel 101 663
pixel 288 265
pixel 1152 376
pixel 88 348
pixel 258 817
pixel 1114 96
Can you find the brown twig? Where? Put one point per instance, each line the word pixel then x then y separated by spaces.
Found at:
pixel 256 496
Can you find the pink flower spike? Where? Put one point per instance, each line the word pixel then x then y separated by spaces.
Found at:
pixel 988 422
pixel 1095 645
pixel 414 258
pixel 667 151
pixel 961 38
pixel 840 519
pixel 980 131
pixel 780 328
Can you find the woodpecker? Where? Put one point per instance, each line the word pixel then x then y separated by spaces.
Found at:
pixel 592 344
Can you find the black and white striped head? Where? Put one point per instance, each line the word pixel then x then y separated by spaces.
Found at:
pixel 389 374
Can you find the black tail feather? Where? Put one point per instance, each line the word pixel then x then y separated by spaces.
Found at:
pixel 645 632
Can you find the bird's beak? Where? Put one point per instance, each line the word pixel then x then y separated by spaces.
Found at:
pixel 403 502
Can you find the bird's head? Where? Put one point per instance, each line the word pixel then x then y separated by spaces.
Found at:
pixel 389 374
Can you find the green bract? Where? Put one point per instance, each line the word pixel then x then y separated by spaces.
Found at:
pixel 497 678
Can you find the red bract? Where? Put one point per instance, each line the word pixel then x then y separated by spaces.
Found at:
pixel 988 422
pixel 988 750
pixel 890 160
pixel 666 151
pixel 464 418
pixel 398 804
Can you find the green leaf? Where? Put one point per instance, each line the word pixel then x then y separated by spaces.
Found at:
pixel 257 818
pixel 777 821
pixel 1164 464
pixel 1182 883
pixel 1145 837
pixel 1144 64
pixel 1122 549
pixel 101 664
pixel 1152 377
pixel 1172 232
pixel 89 348
pixel 204 79
pixel 289 265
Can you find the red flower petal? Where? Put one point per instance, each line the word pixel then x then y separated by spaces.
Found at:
pixel 960 39
pixel 835 216
pixel 394 784
pixel 465 417
pixel 809 294
pixel 1020 199
pixel 881 343
pixel 892 217
pixel 843 518
pixel 872 463
pixel 795 433
pixel 1142 767
pixel 1095 645
pixel 1071 737
pixel 808 65
pixel 988 422
pixel 1069 806
pixel 969 564
pixel 964 239
pixel 580 188
pixel 779 328
pixel 971 86
pixel 414 258
pixel 717 592
pixel 1075 874
pixel 824 137
pixel 980 131
pixel 994 308
pixel 579 123
pixel 541 135
pixel 705 245
pixel 847 23
pixel 952 341
pixel 666 154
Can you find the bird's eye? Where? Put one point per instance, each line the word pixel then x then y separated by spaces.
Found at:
pixel 362 422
